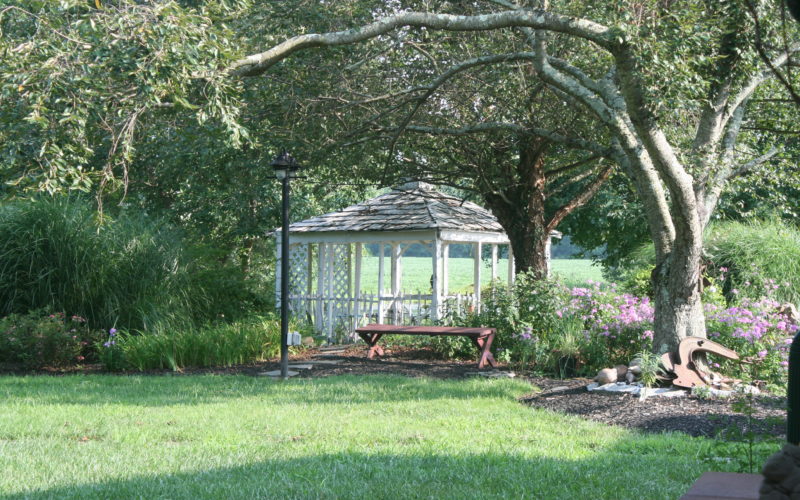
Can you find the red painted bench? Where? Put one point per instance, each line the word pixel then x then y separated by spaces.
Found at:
pixel 481 337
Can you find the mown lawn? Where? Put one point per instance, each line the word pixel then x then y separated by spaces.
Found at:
pixel 339 437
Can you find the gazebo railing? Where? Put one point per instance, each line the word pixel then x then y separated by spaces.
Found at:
pixel 337 318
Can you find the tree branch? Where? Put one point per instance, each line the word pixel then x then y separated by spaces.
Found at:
pixel 580 199
pixel 257 64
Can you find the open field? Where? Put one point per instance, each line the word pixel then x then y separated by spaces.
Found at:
pixel 336 437
pixel 417 273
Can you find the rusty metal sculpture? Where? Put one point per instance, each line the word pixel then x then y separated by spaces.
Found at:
pixel 683 366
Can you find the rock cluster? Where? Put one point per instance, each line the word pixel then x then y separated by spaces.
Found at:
pixel 628 373
pixel 782 474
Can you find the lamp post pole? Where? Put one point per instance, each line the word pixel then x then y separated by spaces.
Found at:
pixel 285 166
pixel 285 279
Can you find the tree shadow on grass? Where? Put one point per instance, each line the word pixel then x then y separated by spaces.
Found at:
pixel 385 476
pixel 207 389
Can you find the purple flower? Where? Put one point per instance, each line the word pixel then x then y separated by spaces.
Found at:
pixel 762 353
pixel 112 332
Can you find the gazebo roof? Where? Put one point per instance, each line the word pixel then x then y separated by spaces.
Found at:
pixel 410 207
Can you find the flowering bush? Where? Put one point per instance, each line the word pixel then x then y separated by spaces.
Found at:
pixel 37 340
pixel 757 332
pixel 615 326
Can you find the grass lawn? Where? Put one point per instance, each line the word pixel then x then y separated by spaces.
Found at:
pixel 417 273
pixel 97 436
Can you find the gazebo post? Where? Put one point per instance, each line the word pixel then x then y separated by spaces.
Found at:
pixel 494 261
pixel 446 270
pixel 510 266
pixel 357 286
pixel 320 320
pixel 396 278
pixel 380 283
pixel 436 280
pixel 331 255
pixel 477 276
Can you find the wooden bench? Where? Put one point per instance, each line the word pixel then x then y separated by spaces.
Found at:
pixel 481 337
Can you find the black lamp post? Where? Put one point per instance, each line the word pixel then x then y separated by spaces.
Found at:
pixel 285 167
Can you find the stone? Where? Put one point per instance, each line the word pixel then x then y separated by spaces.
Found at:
pixel 635 366
pixel 614 387
pixel 661 392
pixel 790 311
pixel 792 482
pixel 621 371
pixel 305 366
pixel 777 467
pixel 309 341
pixel 324 361
pixel 277 373
pixel 630 377
pixel 606 376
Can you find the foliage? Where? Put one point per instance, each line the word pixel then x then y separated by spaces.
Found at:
pixel 39 340
pixel 135 63
pixel 131 271
pixel 757 332
pixel 526 311
pixel 742 260
pixel 752 259
pixel 246 341
pixel 650 364
pixel 126 271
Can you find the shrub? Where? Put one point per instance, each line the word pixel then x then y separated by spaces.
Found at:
pixel 755 259
pixel 132 271
pixel 246 341
pixel 39 340
pixel 757 332
pixel 746 259
pixel 57 256
pixel 521 313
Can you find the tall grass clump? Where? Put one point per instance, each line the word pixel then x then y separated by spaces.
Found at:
pixel 755 259
pixel 245 341
pixel 747 259
pixel 55 255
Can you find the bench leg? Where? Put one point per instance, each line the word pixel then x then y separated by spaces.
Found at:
pixel 372 341
pixel 484 345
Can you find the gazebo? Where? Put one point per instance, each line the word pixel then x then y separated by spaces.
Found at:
pixel 326 256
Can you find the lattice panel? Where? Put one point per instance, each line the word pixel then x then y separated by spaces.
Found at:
pixel 298 269
pixel 340 275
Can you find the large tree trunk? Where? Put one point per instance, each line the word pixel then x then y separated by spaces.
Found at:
pixel 677 286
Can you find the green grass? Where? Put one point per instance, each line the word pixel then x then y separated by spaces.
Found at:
pixel 417 273
pixel 338 437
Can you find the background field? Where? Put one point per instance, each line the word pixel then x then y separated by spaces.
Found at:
pixel 417 273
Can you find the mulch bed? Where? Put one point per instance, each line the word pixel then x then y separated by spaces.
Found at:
pixel 690 415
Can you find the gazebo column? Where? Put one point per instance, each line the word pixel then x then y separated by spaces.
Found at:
pixel 510 266
pixel 446 270
pixel 357 287
pixel 494 262
pixel 380 283
pixel 397 272
pixel 436 281
pixel 319 322
pixel 477 275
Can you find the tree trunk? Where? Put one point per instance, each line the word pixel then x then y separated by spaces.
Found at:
pixel 677 286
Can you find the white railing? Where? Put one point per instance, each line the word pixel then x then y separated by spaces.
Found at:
pixel 337 318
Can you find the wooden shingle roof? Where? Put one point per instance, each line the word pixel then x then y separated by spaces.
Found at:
pixel 413 206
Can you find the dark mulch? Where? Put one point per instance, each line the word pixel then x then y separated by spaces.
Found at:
pixel 690 415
